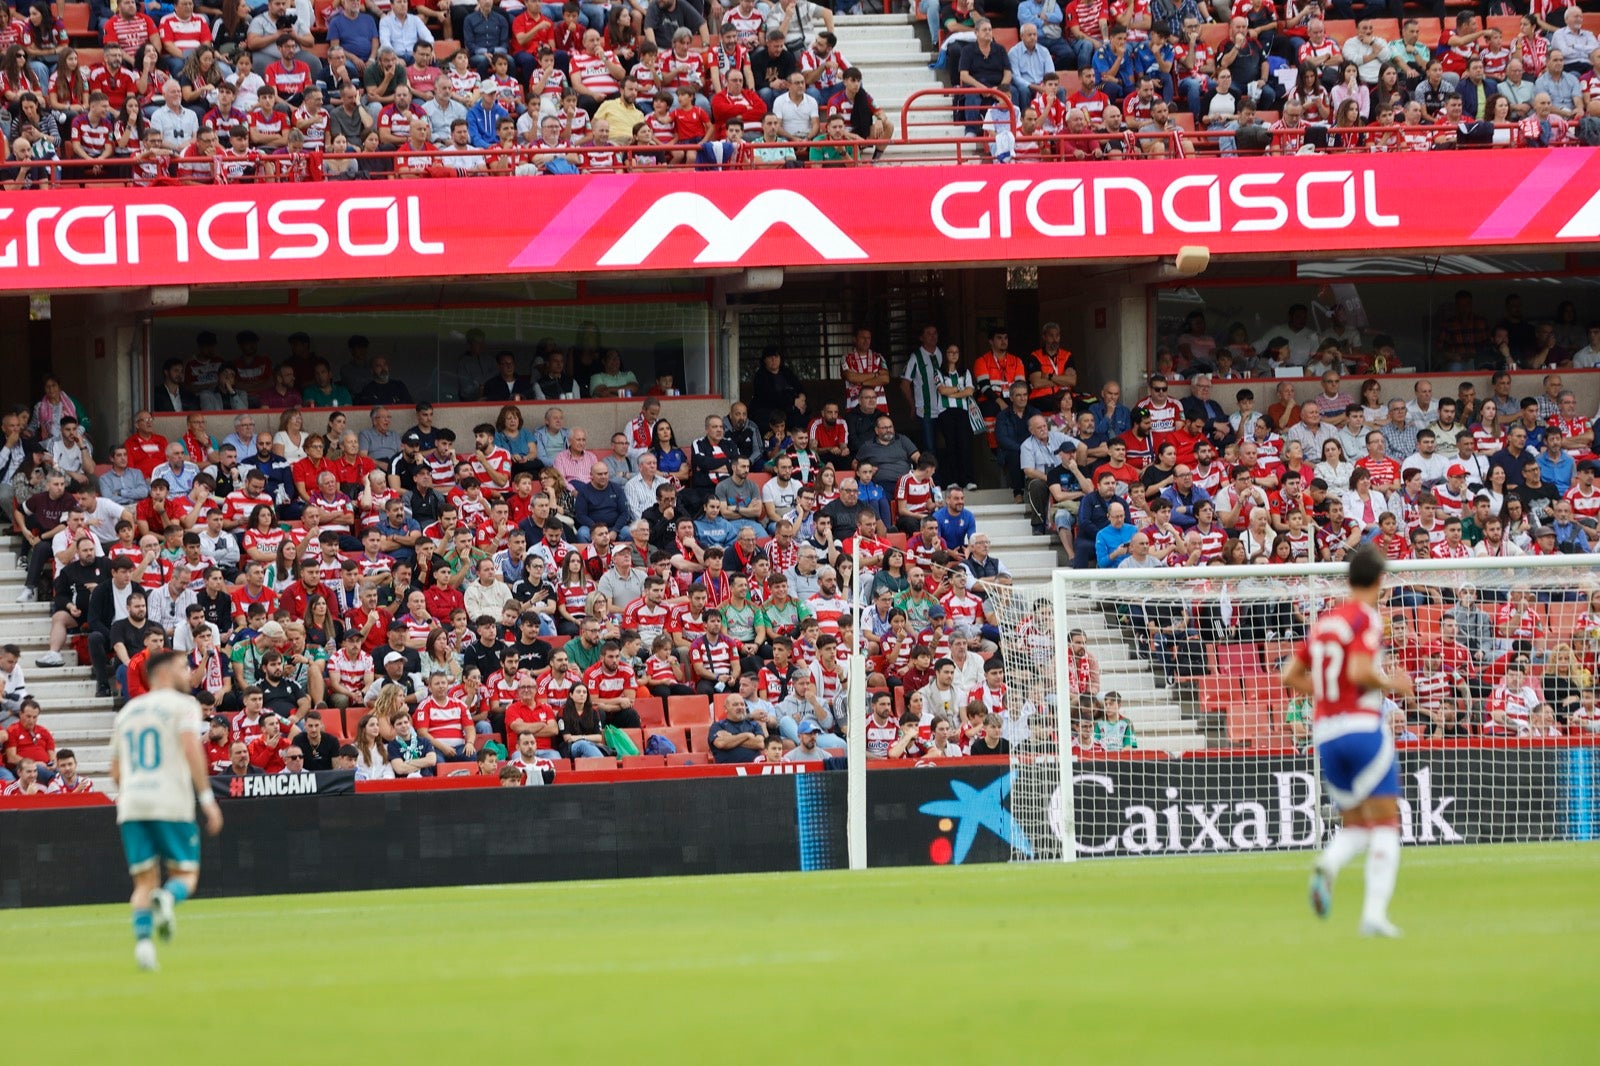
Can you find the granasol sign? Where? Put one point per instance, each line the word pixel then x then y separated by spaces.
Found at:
pixel 1216 805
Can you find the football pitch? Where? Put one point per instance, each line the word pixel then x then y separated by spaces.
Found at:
pixel 1147 960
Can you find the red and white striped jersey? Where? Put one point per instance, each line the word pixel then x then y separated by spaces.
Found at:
pixel 553 690
pixel 350 672
pixel 868 362
pixel 1515 705
pixel 880 736
pixel 650 622
pixel 446 720
pixel 1519 623
pixel 610 684
pixel 962 608
pixel 1434 688
pixel 594 72
pixel 828 611
pixel 1584 504
pixel 914 497
pixel 716 657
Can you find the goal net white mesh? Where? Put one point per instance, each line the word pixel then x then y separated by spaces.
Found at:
pixel 1157 694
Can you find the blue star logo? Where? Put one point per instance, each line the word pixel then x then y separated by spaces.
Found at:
pixel 975 809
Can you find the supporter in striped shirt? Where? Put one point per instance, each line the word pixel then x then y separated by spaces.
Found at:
pixel 862 365
pixel 446 723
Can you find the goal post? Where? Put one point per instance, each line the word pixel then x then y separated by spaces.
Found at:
pixel 1146 716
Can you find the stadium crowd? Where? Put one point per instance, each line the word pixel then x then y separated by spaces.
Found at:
pixel 199 94
pixel 1263 77
pixel 497 87
pixel 521 587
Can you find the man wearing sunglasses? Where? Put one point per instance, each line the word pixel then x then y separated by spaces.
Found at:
pixel 1166 414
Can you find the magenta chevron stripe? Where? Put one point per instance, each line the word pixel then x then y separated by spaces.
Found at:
pixel 1542 185
pixel 576 218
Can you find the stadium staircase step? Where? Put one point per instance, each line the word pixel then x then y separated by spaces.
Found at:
pixel 66 694
pixel 1159 714
pixel 893 57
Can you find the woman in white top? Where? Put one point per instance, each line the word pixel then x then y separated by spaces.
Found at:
pixel 1372 403
pixel 1364 503
pixel 1257 537
pixel 1495 489
pixel 1335 469
pixel 290 441
pixel 1500 115
pixel 372 753
pixel 437 656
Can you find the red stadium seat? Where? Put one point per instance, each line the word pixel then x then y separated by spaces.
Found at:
pixel 652 711
pixel 1236 659
pixel 643 762
pixel 333 723
pixel 698 740
pixel 689 758
pixel 1218 692
pixel 688 710
pixel 637 736
pixel 586 765
pixel 679 735
pixel 458 769
pixel 1562 619
pixel 556 642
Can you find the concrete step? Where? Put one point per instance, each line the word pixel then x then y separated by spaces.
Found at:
pixel 904 50
pixel 843 22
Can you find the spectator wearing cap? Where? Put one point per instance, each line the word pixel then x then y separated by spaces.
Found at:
pixel 172 392
pixel 396 671
pixel 1557 468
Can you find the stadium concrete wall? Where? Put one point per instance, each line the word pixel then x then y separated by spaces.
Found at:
pixel 1453 794
pixel 337 843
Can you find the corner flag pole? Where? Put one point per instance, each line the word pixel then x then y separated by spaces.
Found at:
pixel 856 736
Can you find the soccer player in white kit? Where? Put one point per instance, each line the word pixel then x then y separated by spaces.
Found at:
pixel 159 766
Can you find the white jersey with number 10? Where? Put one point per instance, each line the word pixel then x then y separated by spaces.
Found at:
pixel 155 783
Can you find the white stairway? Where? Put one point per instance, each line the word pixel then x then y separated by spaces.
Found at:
pixel 65 693
pixel 1160 720
pixel 894 64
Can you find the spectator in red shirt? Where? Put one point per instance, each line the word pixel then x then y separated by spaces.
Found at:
pixel 146 448
pixel 267 750
pixel 736 101
pixel 27 739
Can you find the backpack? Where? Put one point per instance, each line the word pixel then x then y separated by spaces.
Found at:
pixel 659 745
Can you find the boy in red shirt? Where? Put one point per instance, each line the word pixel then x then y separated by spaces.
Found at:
pixel 691 124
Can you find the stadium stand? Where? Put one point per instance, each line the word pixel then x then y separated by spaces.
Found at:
pixel 90 105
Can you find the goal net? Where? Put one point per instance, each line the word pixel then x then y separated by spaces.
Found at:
pixel 1145 713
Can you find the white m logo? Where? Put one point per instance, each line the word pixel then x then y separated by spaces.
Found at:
pixel 728 239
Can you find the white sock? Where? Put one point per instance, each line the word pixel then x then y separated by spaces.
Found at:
pixel 1348 842
pixel 1383 866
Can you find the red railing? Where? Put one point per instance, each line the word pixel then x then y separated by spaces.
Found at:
pixel 923 110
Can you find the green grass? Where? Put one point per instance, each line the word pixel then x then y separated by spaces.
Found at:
pixel 1143 960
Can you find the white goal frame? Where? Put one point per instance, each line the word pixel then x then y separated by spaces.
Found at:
pixel 1077 586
